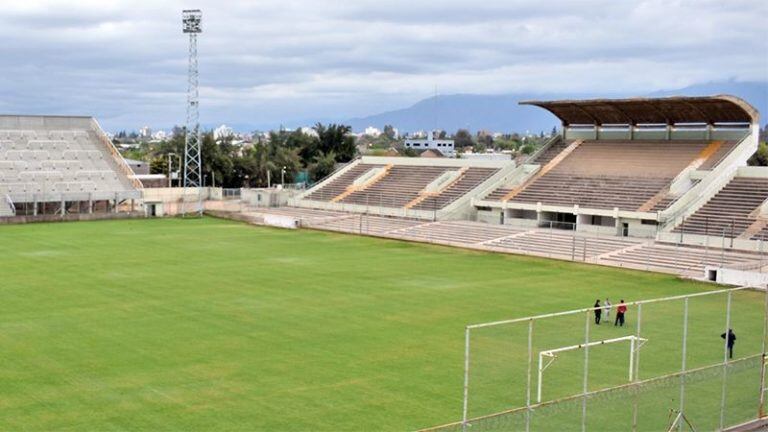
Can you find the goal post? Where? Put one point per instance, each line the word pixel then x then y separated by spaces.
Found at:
pixel 686 362
pixel 634 344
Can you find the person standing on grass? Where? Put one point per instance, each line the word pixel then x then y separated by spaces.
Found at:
pixel 598 311
pixel 607 308
pixel 620 310
pixel 731 342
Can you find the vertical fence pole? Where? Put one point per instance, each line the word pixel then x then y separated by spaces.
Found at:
pixel 761 411
pixel 573 246
pixel 683 365
pixel 528 384
pixel 466 380
pixel 585 384
pixel 725 359
pixel 722 252
pixel 637 368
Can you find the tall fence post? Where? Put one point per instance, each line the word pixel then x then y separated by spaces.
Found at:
pixel 683 365
pixel 637 367
pixel 466 380
pixel 528 384
pixel 761 411
pixel 585 384
pixel 725 359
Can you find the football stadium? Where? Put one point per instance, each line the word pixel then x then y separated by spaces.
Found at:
pixel 396 293
pixel 614 277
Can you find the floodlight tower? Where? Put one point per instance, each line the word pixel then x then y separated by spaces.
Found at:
pixel 191 23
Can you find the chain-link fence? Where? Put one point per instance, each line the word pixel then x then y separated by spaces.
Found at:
pixel 702 355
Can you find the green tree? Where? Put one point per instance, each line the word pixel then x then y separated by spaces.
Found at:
pixel 335 139
pixel 322 166
pixel 760 158
pixel 463 139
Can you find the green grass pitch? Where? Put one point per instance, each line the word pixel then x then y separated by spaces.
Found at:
pixel 215 325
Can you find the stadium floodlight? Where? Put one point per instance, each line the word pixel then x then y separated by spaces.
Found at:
pixel 192 25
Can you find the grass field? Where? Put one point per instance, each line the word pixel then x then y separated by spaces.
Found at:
pixel 214 325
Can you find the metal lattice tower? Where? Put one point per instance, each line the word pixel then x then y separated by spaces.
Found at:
pixel 191 21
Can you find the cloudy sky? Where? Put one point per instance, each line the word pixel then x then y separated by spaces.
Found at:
pixel 271 61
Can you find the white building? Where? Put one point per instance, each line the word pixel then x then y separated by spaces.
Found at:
pixel 145 132
pixel 444 146
pixel 223 131
pixel 372 131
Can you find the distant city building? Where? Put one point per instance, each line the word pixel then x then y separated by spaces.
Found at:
pixel 145 132
pixel 372 131
pixel 444 146
pixel 222 132
pixel 159 135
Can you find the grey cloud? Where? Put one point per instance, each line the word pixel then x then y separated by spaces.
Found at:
pixel 272 61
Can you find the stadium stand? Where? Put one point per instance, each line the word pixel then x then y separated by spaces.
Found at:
pixel 731 211
pixel 679 259
pixel 417 188
pixel 608 174
pixel 339 185
pixel 402 185
pixel 60 159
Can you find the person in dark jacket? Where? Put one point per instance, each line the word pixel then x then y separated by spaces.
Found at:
pixel 598 311
pixel 731 341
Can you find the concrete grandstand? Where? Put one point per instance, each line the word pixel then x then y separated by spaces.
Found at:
pixel 56 166
pixel 657 184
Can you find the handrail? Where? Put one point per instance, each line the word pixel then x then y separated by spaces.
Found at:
pixel 310 190
pixel 9 201
pixel 121 163
pixel 549 143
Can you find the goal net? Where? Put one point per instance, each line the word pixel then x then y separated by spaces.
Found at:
pixel 562 371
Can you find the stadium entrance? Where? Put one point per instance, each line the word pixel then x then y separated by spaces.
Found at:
pixel 564 221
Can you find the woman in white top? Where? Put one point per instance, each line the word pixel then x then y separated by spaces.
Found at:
pixel 607 306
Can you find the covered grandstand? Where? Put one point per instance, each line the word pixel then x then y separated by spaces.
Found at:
pixel 629 167
pixel 58 166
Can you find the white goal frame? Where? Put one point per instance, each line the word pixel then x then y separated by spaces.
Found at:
pixel 635 343
pixel 634 358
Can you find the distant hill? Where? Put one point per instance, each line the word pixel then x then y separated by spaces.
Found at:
pixel 502 112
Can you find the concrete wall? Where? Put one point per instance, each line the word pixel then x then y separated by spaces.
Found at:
pixel 737 277
pixel 69 217
pixel 265 197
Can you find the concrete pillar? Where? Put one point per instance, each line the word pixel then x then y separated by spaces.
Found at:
pixel 90 203
pixel 63 210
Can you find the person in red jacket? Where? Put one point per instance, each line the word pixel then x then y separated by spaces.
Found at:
pixel 620 310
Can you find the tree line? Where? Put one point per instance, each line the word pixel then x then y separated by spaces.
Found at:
pixel 294 155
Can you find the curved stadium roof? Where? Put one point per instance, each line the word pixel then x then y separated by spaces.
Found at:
pixel 670 110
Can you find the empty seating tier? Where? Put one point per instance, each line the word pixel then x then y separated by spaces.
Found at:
pixel 550 153
pixel 678 259
pixel 400 186
pixel 338 185
pixel 68 162
pixel 609 174
pixel 468 181
pixel 728 212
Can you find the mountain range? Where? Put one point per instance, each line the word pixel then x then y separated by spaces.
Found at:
pixel 502 113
